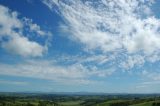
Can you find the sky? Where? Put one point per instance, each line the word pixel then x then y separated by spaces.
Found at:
pixel 107 46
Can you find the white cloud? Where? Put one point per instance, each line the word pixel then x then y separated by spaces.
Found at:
pixel 149 82
pixel 35 27
pixel 126 27
pixel 131 61
pixel 71 74
pixel 8 21
pixel 153 76
pixel 13 82
pixel 12 36
pixel 22 46
pixel 147 87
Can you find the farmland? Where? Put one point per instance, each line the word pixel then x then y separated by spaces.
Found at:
pixel 42 99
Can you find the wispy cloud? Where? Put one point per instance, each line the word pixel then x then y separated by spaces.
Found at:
pixel 149 82
pixel 13 82
pixel 152 75
pixel 125 27
pixel 73 74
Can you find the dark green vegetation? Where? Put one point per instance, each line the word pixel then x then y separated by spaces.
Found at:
pixel 63 99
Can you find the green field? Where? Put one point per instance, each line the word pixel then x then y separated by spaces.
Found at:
pixel 143 104
pixel 70 103
pixel 78 100
pixel 129 103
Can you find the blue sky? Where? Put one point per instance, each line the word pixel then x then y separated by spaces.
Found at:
pixel 83 45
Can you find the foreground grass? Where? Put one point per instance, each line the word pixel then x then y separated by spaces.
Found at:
pixel 143 104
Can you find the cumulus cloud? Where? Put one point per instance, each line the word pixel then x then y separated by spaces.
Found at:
pixel 22 46
pixel 12 37
pixel 126 27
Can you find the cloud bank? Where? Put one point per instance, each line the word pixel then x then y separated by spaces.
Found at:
pixel 50 70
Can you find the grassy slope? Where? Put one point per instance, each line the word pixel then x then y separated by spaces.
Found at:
pixel 109 102
pixel 143 104
pixel 140 104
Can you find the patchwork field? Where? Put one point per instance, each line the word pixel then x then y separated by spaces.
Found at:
pixel 7 99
